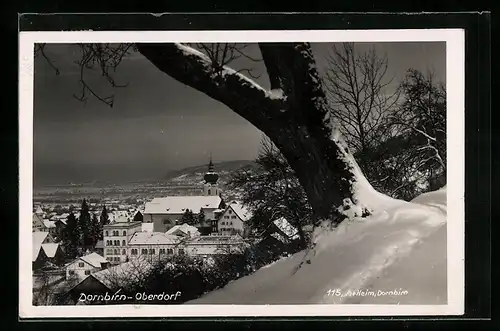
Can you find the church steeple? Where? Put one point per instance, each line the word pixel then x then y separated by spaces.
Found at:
pixel 211 177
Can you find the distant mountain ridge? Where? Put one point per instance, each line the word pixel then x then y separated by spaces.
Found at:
pixel 195 173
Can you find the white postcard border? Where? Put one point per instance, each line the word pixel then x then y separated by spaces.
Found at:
pixel 455 85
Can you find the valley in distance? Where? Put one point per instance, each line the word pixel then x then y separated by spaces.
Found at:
pixel 186 181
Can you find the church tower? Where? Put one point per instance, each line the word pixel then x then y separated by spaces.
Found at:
pixel 210 187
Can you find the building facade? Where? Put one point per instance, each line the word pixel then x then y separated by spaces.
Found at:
pixel 155 245
pixel 86 265
pixel 234 220
pixel 115 239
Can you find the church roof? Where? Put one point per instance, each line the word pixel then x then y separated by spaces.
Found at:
pixel 179 204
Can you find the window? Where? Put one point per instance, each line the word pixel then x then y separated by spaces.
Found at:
pixel 170 251
pixel 133 251
pixel 233 217
pixel 87 272
pixel 208 191
pixel 117 242
pixel 144 251
pixel 117 259
pixel 80 264
pixel 226 217
pixel 124 252
pixel 231 223
pixel 124 233
pixel 124 243
pixel 166 221
pixel 106 233
pixel 162 250
pixel 152 251
pixel 181 251
pixel 109 251
pixel 230 211
pixel 116 252
pixel 72 272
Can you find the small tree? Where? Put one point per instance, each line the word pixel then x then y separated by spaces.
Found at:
pixel 84 222
pixel 188 217
pixel 95 230
pixel 201 217
pixel 73 235
pixel 104 218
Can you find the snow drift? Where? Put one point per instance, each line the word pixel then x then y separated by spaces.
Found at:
pixel 398 254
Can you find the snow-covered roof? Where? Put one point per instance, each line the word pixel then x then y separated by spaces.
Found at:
pixel 123 225
pixel 186 228
pixel 156 238
pixel 39 210
pixel 287 228
pixel 49 224
pixel 38 238
pixel 94 259
pixel 122 274
pixel 37 218
pixel 50 249
pixel 243 213
pixel 179 204
pixel 210 240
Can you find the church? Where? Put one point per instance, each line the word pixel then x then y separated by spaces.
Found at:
pixel 167 212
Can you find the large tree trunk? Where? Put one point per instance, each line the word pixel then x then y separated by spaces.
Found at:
pixel 297 123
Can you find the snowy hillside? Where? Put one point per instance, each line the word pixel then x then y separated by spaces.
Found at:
pixel 401 247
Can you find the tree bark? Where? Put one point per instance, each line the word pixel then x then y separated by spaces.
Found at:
pixel 298 124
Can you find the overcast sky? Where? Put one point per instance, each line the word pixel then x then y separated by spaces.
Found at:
pixel 156 124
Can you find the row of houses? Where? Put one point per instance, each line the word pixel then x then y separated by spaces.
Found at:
pixel 124 241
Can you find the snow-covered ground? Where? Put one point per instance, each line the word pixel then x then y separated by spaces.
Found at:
pixel 401 247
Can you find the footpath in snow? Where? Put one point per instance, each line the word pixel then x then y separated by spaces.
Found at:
pixel 400 249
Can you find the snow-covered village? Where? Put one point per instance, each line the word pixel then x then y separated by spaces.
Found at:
pixel 289 173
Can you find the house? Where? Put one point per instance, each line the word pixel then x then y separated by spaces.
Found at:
pixel 116 237
pixel 50 226
pixel 153 245
pixel 37 223
pixel 54 253
pixel 39 257
pixel 184 230
pixel 110 280
pixel 166 212
pixel 86 265
pixel 234 220
pixel 39 211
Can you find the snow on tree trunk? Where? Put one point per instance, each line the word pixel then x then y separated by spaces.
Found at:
pixel 296 119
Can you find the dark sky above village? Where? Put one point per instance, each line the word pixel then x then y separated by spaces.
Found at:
pixel 157 124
